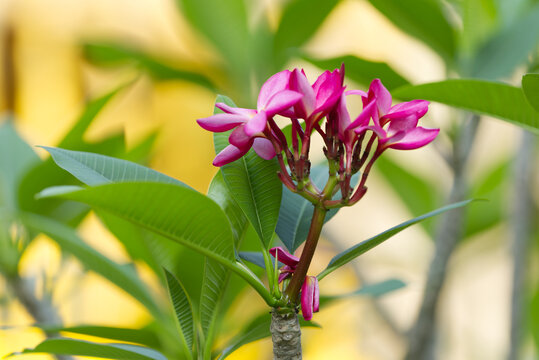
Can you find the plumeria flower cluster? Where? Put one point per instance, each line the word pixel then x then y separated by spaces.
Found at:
pixel 351 145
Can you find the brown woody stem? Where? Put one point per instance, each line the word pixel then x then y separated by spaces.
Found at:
pixel 285 335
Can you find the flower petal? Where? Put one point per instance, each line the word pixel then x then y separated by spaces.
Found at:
pixel 405 109
pixel 309 291
pixel 256 124
pixel 284 256
pixel 282 101
pixel 413 139
pixel 229 154
pixel 382 95
pixel 221 122
pixel 239 138
pixel 264 148
pixel 273 85
pixel 248 113
pixel 364 117
pixel 299 83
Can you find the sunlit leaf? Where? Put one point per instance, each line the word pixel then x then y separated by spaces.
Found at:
pixel 530 85
pixel 483 97
pixel 64 346
pixel 372 290
pixel 95 169
pixel 351 253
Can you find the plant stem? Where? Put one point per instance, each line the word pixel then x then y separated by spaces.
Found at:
pixel 317 222
pixel 521 229
pixel 285 335
pixel 448 233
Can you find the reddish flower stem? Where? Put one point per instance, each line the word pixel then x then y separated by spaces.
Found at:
pixel 292 291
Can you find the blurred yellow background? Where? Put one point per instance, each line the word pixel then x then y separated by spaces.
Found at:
pixel 53 82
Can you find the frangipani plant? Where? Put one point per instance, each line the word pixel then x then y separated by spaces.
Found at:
pixel 247 192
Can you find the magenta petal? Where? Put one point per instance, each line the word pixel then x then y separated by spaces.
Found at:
pixel 405 109
pixel 256 124
pixel 282 101
pixel 229 154
pixel 264 148
pixel 284 256
pixel 221 122
pixel 273 85
pixel 382 95
pixel 308 291
pixel 364 117
pixel 248 113
pixel 361 93
pixel 239 138
pixel 316 295
pixel 299 83
pixel 413 139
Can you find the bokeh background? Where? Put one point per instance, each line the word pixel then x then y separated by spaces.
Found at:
pixel 52 77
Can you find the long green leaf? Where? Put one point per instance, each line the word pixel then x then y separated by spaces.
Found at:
pixel 95 169
pixel 530 85
pixel 107 54
pixel 176 212
pixel 489 98
pixel 16 157
pixel 422 19
pixel 509 48
pixel 350 254
pixel 138 336
pixel 254 185
pixel 64 346
pixel 124 277
pixel 183 309
pixel 373 290
pixel 362 71
pixel 299 22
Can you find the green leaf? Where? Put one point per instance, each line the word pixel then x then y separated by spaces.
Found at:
pixel 220 193
pixel 509 48
pixel 224 24
pixel 95 169
pixel 105 54
pixel 74 138
pixel 16 157
pixel 534 318
pixel 489 98
pixel 175 212
pixel 64 346
pixel 359 249
pixel 254 185
pixel 296 212
pixel 362 71
pixel 373 290
pixel 138 336
pixel 530 85
pixel 124 277
pixel 257 329
pixel 299 22
pixel 418 194
pixel 422 19
pixel 183 310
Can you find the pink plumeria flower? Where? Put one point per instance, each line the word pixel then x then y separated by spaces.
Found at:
pixel 402 132
pixel 347 129
pixel 318 99
pixel 310 294
pixel 290 262
pixel 310 297
pixel 274 97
